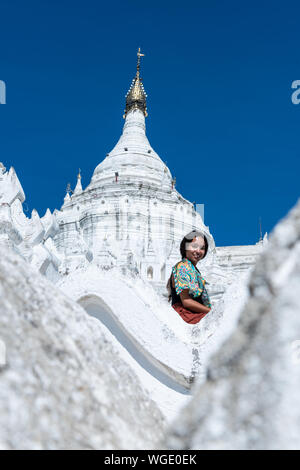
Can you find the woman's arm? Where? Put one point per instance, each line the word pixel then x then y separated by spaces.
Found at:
pixel 191 304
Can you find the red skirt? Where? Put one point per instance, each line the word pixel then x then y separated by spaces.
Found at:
pixel 187 315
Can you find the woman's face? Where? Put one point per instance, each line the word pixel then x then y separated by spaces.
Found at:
pixel 195 250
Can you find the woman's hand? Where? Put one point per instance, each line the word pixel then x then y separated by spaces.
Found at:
pixel 191 304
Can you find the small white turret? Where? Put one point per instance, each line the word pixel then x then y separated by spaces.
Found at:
pixel 78 188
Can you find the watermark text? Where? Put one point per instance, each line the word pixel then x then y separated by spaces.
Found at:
pixel 296 94
pixel 2 92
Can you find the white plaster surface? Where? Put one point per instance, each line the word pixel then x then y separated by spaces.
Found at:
pixel 64 384
pixel 251 397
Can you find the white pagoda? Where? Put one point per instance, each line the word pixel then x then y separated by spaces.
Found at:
pixel 130 216
pixel 111 246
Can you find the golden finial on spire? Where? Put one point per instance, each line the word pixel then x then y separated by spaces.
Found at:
pixel 139 55
pixel 136 96
pixel 79 174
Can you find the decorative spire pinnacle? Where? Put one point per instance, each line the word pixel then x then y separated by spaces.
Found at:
pixel 68 191
pixel 78 188
pixel 139 55
pixel 2 168
pixel 68 188
pixel 136 96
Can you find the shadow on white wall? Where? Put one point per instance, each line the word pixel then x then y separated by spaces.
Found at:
pixel 96 307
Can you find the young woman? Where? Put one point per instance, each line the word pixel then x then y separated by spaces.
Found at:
pixel 186 286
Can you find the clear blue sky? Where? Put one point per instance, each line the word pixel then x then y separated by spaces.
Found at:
pixel 218 77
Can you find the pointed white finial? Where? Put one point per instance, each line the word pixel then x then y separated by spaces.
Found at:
pixel 2 168
pixel 78 188
pixel 68 189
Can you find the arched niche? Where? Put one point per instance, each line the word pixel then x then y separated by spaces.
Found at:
pixel 150 273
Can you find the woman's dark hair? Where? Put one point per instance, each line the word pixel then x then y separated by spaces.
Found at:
pixel 187 239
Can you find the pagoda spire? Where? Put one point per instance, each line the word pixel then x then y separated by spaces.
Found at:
pixel 78 188
pixel 68 191
pixel 136 96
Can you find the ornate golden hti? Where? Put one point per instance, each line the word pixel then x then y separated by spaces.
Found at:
pixel 136 96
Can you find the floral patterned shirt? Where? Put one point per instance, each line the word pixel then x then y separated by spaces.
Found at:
pixel 187 276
